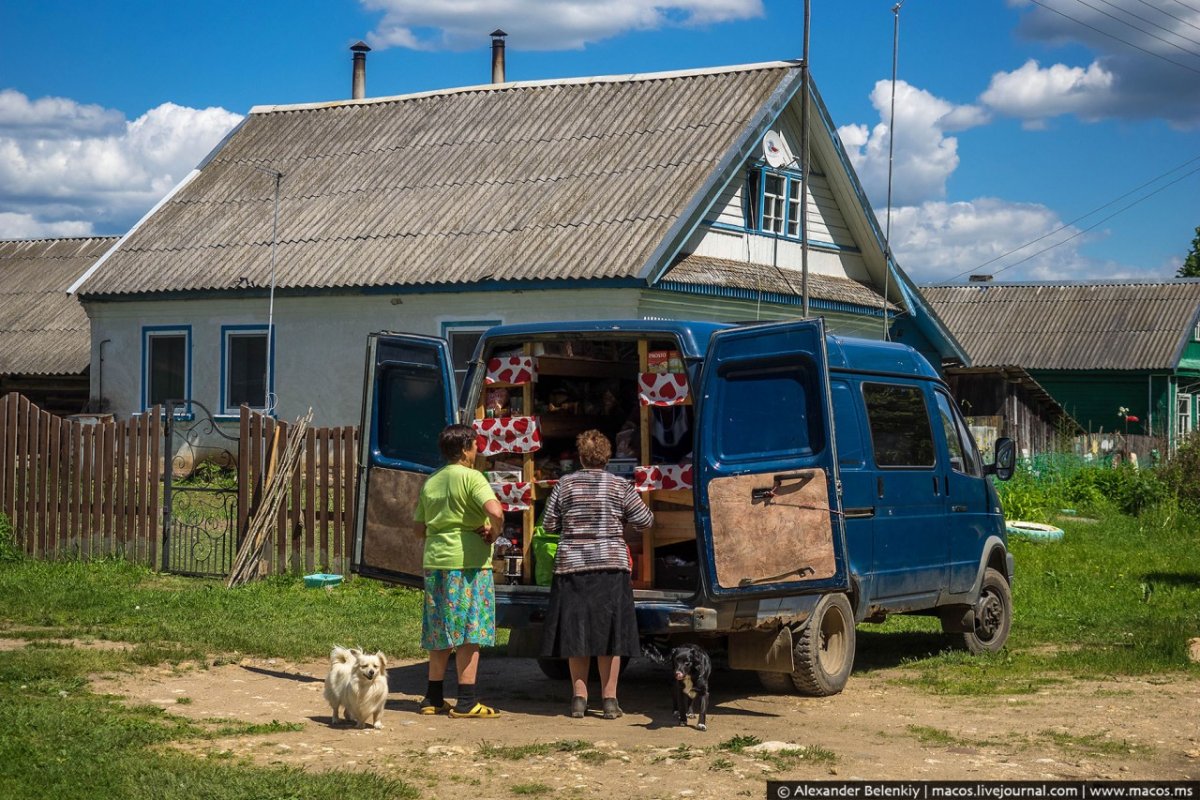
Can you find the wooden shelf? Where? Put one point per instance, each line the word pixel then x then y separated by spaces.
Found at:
pixel 573 367
pixel 558 425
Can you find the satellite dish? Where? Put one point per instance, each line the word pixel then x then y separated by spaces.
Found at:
pixel 774 150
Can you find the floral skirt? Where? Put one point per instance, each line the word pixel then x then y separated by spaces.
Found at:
pixel 460 608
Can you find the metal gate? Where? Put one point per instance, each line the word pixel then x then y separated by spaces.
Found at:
pixel 200 492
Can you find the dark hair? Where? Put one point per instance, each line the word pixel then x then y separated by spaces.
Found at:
pixel 454 440
pixel 594 449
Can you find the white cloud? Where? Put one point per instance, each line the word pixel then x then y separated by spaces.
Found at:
pixel 1034 94
pixel 1147 63
pixel 539 24
pixel 938 241
pixel 66 167
pixel 924 157
pixel 26 226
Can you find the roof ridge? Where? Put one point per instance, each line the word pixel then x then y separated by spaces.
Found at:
pixel 533 84
pixel 59 239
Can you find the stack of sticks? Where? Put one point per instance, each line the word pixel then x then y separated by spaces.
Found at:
pixel 274 493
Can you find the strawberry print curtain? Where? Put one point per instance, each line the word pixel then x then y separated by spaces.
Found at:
pixel 514 496
pixel 662 476
pixel 662 388
pixel 513 370
pixel 508 435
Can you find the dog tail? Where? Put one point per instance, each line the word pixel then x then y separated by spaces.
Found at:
pixel 340 655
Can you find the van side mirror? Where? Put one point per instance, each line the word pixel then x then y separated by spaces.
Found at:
pixel 1006 459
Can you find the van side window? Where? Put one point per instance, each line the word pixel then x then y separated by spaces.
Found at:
pixel 411 412
pixel 899 420
pixel 974 463
pixel 851 452
pixel 770 410
pixel 954 445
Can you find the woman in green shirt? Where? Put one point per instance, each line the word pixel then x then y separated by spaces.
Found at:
pixel 460 517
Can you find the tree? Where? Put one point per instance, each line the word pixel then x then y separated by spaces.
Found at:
pixel 1191 264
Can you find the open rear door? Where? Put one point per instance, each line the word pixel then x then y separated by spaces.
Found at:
pixel 407 400
pixel 769 508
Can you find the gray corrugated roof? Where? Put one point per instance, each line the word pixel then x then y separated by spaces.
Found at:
pixel 569 179
pixel 43 330
pixel 1093 325
pixel 708 271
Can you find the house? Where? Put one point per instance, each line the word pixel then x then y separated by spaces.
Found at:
pixel 45 349
pixel 1096 347
pixel 445 212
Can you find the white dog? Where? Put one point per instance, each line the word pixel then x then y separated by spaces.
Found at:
pixel 357 686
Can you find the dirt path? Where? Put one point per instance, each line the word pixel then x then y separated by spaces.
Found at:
pixel 874 729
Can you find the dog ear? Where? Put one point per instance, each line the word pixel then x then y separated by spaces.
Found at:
pixel 382 658
pixel 356 652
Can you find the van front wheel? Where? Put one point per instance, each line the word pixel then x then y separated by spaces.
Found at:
pixel 993 615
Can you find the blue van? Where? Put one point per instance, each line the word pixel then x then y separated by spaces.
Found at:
pixel 812 481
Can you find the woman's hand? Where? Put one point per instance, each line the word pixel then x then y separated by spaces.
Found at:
pixel 488 533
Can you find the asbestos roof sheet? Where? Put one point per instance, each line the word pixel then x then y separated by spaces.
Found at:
pixel 44 330
pixel 708 271
pixel 1071 326
pixel 573 179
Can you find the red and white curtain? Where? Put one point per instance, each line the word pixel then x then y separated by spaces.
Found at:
pixel 514 496
pixel 508 435
pixel 662 476
pixel 662 388
pixel 512 370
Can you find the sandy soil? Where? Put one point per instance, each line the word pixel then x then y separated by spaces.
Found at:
pixel 875 729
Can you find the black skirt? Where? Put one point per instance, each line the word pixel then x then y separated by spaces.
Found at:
pixel 591 614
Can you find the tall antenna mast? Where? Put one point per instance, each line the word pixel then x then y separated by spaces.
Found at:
pixel 887 231
pixel 804 170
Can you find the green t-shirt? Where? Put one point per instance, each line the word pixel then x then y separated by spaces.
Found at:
pixel 451 506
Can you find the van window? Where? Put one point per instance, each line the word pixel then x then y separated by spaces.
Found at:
pixel 954 444
pixel 899 420
pixel 769 411
pixel 412 413
pixel 851 452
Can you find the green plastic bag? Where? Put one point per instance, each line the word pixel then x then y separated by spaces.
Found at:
pixel 545 546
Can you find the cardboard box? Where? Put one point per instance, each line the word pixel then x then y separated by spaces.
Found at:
pixel 662 361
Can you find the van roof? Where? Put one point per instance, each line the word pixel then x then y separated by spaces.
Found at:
pixel 845 353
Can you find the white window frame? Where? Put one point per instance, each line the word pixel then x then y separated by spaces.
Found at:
pixel 228 334
pixel 149 334
pixel 1184 421
pixel 465 326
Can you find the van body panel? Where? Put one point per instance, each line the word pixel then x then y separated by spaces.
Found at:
pixel 410 399
pixel 767 508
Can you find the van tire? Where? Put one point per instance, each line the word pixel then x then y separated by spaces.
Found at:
pixel 777 682
pixel 824 649
pixel 993 615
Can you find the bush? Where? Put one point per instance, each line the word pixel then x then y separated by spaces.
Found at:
pixel 1181 474
pixel 9 550
pixel 1038 491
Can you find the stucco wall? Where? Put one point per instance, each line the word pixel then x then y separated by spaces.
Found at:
pixel 319 341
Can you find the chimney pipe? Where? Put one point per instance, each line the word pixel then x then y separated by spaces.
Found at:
pixel 498 55
pixel 358 86
pixel 980 279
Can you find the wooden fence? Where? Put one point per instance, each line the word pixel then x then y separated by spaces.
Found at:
pixel 80 491
pixel 314 530
pixel 74 490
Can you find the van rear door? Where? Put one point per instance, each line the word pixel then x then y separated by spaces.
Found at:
pixel 768 503
pixel 407 400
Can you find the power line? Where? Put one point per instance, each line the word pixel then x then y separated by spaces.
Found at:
pixel 1118 38
pixel 1066 225
pixel 1120 21
pixel 1148 4
pixel 1185 5
pixel 1124 10
pixel 1093 226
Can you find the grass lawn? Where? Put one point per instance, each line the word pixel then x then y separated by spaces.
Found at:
pixel 1118 596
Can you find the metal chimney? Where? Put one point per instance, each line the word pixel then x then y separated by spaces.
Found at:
pixel 980 279
pixel 358 86
pixel 498 55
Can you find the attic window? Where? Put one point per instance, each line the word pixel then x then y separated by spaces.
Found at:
pixel 773 202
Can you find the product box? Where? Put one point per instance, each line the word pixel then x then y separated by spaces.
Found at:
pixel 663 361
pixel 622 467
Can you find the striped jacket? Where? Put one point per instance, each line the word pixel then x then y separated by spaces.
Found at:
pixel 589 510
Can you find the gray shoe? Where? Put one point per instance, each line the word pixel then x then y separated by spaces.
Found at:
pixel 611 709
pixel 578 706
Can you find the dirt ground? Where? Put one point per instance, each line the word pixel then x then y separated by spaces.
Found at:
pixel 875 729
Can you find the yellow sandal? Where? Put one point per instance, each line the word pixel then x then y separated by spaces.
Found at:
pixel 479 710
pixel 431 709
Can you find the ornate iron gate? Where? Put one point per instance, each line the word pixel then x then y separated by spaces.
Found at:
pixel 200 498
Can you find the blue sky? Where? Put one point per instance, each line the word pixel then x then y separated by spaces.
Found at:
pixel 1014 118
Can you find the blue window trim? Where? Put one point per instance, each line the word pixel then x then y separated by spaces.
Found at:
pixel 725 226
pixel 225 413
pixel 149 331
pixel 789 177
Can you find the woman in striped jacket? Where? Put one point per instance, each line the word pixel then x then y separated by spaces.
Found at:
pixel 591 599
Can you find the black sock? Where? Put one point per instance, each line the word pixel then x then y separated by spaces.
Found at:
pixel 466 696
pixel 434 694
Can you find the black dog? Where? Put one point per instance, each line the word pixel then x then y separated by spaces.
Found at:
pixel 692 669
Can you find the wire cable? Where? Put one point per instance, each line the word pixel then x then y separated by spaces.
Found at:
pixel 1130 25
pixel 1118 38
pixel 1148 4
pixel 1124 10
pixel 1081 232
pixel 1066 225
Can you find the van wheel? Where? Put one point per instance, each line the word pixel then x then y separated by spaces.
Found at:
pixel 777 682
pixel 824 650
pixel 993 615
